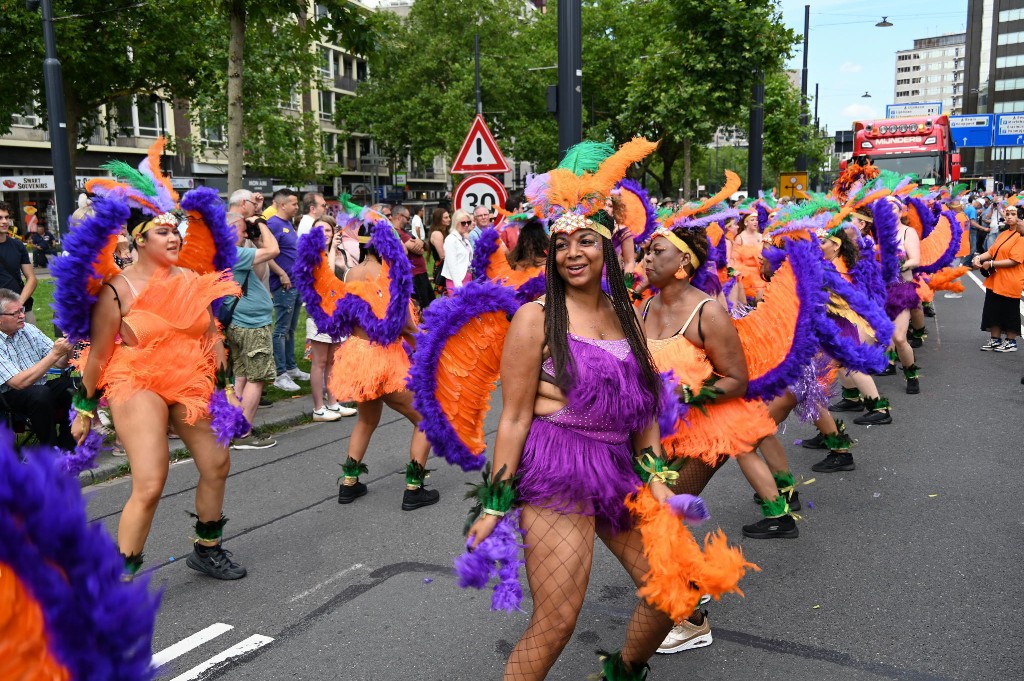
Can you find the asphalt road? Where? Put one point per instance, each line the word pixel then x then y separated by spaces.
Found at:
pixel 906 568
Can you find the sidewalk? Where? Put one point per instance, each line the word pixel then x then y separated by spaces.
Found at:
pixel 282 413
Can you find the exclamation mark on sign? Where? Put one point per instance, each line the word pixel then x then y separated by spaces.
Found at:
pixel 479 150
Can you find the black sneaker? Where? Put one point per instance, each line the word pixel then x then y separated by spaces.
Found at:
pixel 835 461
pixel 214 561
pixel 816 442
pixel 928 309
pixel 264 403
pixel 913 386
pixel 874 418
pixel 783 527
pixel 349 493
pixel 914 341
pixel 793 499
pixel 419 497
pixel 847 405
pixel 888 371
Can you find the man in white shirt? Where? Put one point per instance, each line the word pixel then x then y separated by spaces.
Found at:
pixel 416 225
pixel 313 207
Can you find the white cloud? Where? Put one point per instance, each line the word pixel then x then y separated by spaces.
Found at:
pixel 856 112
pixel 849 67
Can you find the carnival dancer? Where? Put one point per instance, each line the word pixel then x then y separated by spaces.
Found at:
pixel 578 435
pixel 372 308
pixel 746 256
pixel 154 346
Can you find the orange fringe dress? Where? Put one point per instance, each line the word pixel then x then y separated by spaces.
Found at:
pixel 730 427
pixel 173 353
pixel 747 261
pixel 364 371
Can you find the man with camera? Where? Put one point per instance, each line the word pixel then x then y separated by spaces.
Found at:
pixel 249 331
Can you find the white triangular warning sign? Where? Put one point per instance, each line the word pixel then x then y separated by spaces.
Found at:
pixel 480 153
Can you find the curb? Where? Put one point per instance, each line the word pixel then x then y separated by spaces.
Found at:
pixel 111 467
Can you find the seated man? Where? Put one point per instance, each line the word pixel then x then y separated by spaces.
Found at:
pixel 26 354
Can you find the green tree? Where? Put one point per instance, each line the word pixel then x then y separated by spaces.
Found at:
pixel 784 138
pixel 106 54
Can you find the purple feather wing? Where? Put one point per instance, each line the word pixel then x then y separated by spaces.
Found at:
pixel 205 202
pixel 96 626
pixel 839 337
pixel 351 310
pixel 75 271
pixel 456 369
pixel 486 246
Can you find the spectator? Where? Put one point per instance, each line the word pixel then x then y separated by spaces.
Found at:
pixel 992 220
pixel 122 250
pixel 458 252
pixel 250 336
pixel 43 244
pixel 973 211
pixel 1003 267
pixel 481 221
pixel 531 248
pixel 440 223
pixel 26 355
pixel 15 264
pixel 422 292
pixel 313 207
pixel 322 347
pixel 286 298
pixel 416 224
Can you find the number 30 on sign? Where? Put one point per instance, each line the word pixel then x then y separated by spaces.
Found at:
pixel 480 190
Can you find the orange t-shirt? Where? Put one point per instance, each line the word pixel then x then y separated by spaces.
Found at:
pixel 1007 281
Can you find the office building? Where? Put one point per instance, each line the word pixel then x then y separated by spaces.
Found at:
pixel 932 71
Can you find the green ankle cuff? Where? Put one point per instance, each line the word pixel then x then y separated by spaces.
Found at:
pixel 774 508
pixel 891 356
pixel 783 480
pixel 353 469
pixel 415 474
pixel 881 404
pixel 851 394
pixel 211 530
pixel 614 668
pixel 912 371
pixel 132 564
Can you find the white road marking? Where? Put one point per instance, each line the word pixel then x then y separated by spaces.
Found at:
pixel 333 578
pixel 254 642
pixel 191 643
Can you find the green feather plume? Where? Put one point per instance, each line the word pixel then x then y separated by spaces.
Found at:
pixel 133 177
pixel 958 189
pixel 348 206
pixel 586 157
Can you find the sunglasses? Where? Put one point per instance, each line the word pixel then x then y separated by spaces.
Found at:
pixel 465 222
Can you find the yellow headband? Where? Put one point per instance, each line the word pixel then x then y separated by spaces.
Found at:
pixel 678 243
pixel 861 216
pixel 162 220
pixel 573 222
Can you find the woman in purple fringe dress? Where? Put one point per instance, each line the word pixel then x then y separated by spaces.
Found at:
pixel 579 399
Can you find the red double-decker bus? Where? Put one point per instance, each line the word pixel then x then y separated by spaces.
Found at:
pixel 920 146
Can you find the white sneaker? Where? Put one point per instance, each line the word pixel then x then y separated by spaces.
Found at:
pixel 953 296
pixel 297 374
pixel 324 414
pixel 285 382
pixel 687 636
pixel 340 408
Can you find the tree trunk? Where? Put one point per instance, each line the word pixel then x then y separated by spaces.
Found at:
pixel 72 111
pixel 687 168
pixel 236 128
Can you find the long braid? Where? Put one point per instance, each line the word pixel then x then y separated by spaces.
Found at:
pixel 628 319
pixel 556 323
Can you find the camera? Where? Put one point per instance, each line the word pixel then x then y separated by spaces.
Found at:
pixel 252 229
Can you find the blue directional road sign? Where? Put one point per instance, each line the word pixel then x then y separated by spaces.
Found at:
pixel 1009 130
pixel 971 131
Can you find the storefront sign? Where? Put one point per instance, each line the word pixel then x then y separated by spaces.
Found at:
pixel 183 182
pixel 25 183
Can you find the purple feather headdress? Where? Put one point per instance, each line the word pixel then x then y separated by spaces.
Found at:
pixel 97 626
pixel 496 556
pixel 75 268
pixel 206 202
pixel 806 260
pixel 486 246
pixel 352 310
pixel 445 318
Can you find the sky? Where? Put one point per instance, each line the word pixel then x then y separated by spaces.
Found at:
pixel 848 55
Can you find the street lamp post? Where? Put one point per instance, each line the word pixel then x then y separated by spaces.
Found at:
pixel 54 86
pixel 570 74
pixel 801 160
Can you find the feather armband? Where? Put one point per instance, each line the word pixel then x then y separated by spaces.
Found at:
pixel 494 496
pixel 651 467
pixel 85 405
pixel 708 393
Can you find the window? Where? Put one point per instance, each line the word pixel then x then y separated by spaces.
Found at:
pixel 326 105
pixel 360 70
pixel 326 63
pixel 915 80
pixel 293 103
pixel 1007 107
pixel 904 93
pixel 1009 84
pixel 917 67
pixel 933 90
pixel 1010 38
pixel 934 66
pixel 212 135
pixel 329 143
pixel 1011 15
pixel 139 117
pixel 903 69
pixel 934 79
pixel 27 118
pixel 1010 62
pixel 904 81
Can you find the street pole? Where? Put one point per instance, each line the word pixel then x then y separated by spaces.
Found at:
pixel 476 51
pixel 56 125
pixel 801 160
pixel 755 146
pixel 570 75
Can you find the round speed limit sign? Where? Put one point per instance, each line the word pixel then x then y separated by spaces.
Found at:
pixel 480 190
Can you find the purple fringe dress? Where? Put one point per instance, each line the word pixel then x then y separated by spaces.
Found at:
pixel 580 458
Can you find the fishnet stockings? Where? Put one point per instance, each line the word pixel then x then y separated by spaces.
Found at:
pixel 695 476
pixel 559 555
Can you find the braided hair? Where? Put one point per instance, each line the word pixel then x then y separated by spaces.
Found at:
pixel 697 239
pixel 848 250
pixel 556 317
